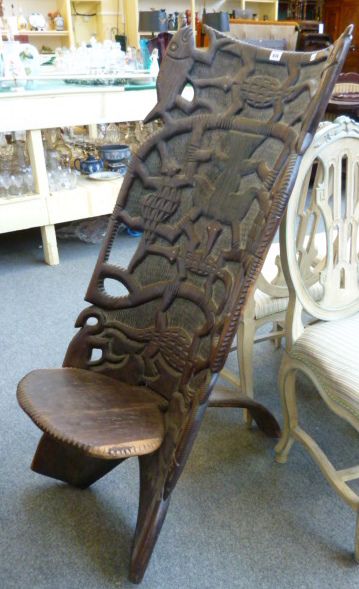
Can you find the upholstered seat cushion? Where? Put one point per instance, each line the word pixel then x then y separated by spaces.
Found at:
pixel 266 305
pixel 99 414
pixel 331 351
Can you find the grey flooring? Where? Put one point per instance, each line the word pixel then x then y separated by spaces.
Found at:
pixel 237 520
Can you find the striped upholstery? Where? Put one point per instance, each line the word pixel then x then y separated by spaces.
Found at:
pixel 331 350
pixel 327 352
pixel 265 305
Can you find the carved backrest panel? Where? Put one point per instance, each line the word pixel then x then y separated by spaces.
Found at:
pixel 207 191
pixel 329 210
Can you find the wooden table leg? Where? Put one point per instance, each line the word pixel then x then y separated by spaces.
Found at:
pixel 49 243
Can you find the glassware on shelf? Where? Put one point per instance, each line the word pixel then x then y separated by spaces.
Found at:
pixel 145 54
pixel 131 139
pixel 112 134
pixel 52 158
pixel 29 180
pixel 16 177
pixel 123 131
pixel 15 173
pixel 5 181
pixel 66 178
pixel 61 145
pixel 6 151
pixel 17 187
pixel 93 60
pixel 21 20
pixel 59 173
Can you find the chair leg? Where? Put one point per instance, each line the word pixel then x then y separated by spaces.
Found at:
pixel 278 326
pixel 159 475
pixel 151 515
pixel 245 342
pixel 69 464
pixel 286 385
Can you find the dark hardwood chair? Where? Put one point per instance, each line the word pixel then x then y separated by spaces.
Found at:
pixel 309 41
pixel 345 97
pixel 207 191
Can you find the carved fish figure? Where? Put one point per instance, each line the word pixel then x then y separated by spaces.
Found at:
pixel 180 58
pixel 169 86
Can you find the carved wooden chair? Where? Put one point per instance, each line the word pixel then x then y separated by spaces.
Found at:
pixel 207 191
pixel 345 97
pixel 328 351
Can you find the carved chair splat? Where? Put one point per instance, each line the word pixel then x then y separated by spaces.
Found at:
pixel 207 191
pixel 326 352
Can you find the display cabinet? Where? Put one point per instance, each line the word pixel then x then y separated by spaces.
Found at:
pixel 82 19
pixel 132 8
pixel 264 9
pixel 48 37
pixel 302 10
pixel 61 106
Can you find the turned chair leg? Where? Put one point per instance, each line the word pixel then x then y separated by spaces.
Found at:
pixel 245 342
pixel 69 464
pixel 277 327
pixel 286 385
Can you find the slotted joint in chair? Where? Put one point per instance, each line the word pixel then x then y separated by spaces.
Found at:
pixel 328 351
pixel 207 191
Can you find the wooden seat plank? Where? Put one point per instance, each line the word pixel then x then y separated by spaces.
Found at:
pixel 101 415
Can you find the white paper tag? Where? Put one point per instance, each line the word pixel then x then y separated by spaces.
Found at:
pixel 313 56
pixel 275 56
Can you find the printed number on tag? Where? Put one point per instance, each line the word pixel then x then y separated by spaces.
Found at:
pixel 275 56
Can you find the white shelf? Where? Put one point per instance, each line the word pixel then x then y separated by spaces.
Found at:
pixel 22 213
pixel 89 199
pixel 42 33
pixel 72 105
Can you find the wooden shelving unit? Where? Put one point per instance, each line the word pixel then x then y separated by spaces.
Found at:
pixel 74 105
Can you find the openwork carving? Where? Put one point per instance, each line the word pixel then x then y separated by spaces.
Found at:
pixel 207 191
pixel 332 204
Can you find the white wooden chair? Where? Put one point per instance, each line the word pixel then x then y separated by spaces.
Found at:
pixel 268 303
pixel 328 351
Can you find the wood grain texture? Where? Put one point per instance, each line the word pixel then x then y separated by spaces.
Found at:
pixel 100 415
